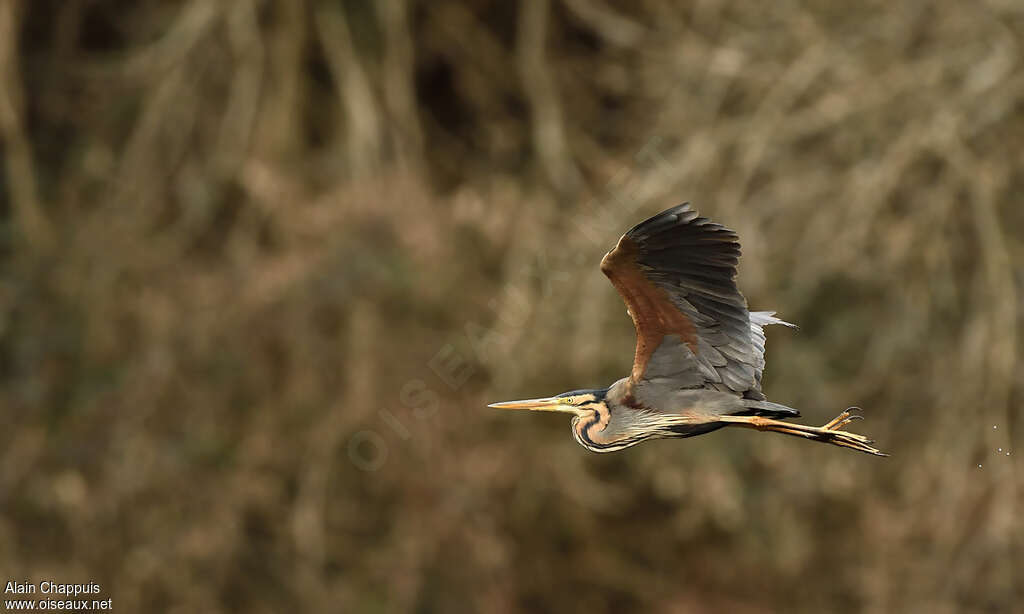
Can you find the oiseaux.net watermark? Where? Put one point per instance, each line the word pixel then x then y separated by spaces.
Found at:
pixel 50 595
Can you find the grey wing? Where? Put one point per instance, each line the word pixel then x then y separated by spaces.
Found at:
pixel 680 268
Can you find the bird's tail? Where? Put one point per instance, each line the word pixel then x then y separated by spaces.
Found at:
pixel 766 318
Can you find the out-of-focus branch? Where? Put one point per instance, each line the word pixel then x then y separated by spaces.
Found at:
pixel 189 27
pixel 280 106
pixel 28 215
pixel 549 140
pixel 609 25
pixel 398 72
pixel 243 101
pixel 363 131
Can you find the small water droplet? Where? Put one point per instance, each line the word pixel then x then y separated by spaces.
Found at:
pixel 1007 453
pixel 979 465
pixel 1000 449
pixel 994 426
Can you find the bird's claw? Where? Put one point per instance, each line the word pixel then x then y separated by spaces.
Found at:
pixel 846 417
pixel 846 438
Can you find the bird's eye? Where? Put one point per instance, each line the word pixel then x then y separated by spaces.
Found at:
pixel 570 400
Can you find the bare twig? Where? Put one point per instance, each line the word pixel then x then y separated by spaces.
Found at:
pixel 363 125
pixel 18 164
pixel 549 138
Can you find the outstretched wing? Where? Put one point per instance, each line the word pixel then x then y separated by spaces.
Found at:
pixel 676 272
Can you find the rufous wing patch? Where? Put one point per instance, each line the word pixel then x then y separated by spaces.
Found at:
pixel 653 312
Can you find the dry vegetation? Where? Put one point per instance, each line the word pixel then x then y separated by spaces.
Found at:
pixel 236 236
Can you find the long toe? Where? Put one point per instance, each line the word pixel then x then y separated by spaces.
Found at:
pixel 841 418
pixel 848 419
pixel 854 441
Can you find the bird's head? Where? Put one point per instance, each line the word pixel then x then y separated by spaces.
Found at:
pixel 577 402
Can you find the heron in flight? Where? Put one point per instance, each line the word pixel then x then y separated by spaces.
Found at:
pixel 699 351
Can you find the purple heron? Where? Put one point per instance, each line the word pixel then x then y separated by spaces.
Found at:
pixel 699 351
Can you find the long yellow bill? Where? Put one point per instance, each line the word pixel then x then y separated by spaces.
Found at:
pixel 549 404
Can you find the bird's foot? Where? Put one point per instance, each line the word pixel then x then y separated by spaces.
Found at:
pixel 831 433
pixel 843 419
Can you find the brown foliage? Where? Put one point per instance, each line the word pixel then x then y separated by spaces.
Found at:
pixel 247 244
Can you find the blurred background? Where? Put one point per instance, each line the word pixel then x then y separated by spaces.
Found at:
pixel 264 262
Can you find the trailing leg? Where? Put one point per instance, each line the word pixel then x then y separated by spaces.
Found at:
pixel 828 433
